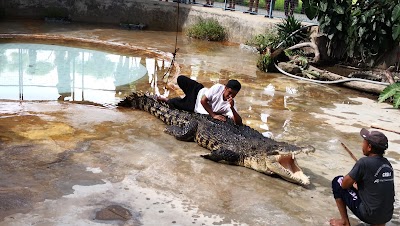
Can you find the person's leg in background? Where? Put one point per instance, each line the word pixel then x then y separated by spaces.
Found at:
pixel 268 7
pixel 286 7
pixel 232 5
pixel 209 3
pixel 292 6
pixel 255 11
pixel 251 2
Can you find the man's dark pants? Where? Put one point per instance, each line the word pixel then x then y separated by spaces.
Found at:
pixel 349 196
pixel 191 88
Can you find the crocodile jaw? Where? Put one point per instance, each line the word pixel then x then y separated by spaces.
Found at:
pixel 283 164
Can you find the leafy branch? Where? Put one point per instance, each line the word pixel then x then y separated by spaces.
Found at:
pixel 391 91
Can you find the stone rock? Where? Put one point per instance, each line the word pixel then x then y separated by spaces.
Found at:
pixel 248 48
pixel 113 212
pixel 290 68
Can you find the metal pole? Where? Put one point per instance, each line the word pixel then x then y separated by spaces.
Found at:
pixel 83 74
pixel 73 75
pixel 21 76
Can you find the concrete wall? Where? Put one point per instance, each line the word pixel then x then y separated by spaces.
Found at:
pixel 155 14
pixel 239 27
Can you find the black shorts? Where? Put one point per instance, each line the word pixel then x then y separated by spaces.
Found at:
pixel 349 196
pixel 191 88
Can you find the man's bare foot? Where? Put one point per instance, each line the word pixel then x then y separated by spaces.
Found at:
pixel 162 99
pixel 178 91
pixel 172 86
pixel 338 222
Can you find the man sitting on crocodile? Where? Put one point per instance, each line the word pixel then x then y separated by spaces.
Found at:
pixel 227 142
pixel 216 101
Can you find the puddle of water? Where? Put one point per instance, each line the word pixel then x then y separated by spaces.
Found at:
pixel 50 72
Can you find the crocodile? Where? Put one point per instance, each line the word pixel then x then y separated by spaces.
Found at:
pixel 228 143
pixel 375 75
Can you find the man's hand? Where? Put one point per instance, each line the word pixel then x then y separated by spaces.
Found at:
pixel 231 102
pixel 219 117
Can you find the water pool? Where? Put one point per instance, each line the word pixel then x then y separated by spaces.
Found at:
pixel 51 72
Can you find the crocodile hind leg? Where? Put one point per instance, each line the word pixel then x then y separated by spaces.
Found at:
pixel 223 155
pixel 185 133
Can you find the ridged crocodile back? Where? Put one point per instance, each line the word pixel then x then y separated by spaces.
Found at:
pixel 208 132
pixel 160 110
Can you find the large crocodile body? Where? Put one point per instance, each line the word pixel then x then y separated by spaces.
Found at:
pixel 229 143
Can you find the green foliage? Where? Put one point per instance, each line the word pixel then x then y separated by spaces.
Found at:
pixel 310 8
pixel 296 52
pixel 371 31
pixel 262 41
pixel 287 32
pixel 359 30
pixel 207 29
pixel 396 23
pixel 334 19
pixel 279 5
pixel 390 91
pixel 265 62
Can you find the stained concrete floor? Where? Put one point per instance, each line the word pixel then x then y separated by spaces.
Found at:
pixel 62 162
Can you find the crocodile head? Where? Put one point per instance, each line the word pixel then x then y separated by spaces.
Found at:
pixel 281 161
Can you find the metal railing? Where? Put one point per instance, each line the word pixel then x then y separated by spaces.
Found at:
pixel 253 7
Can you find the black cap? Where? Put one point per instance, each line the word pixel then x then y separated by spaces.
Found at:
pixel 375 137
pixel 234 84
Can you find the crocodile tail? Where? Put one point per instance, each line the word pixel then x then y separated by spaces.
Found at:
pixel 160 110
pixel 128 101
pixel 157 109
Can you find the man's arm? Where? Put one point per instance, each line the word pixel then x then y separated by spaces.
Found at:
pixel 348 182
pixel 236 117
pixel 207 107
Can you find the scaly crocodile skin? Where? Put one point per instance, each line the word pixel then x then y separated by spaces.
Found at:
pixel 374 75
pixel 230 143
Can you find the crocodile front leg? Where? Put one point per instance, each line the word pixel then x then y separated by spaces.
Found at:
pixel 225 155
pixel 185 133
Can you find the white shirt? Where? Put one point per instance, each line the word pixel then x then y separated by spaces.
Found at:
pixel 215 100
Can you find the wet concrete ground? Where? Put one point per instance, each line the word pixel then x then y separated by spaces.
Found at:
pixel 61 162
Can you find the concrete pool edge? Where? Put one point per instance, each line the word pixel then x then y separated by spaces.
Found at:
pixel 77 42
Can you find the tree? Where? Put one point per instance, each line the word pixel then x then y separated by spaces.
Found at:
pixel 364 26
